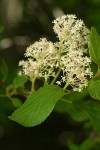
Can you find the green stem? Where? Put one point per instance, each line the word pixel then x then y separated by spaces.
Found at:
pixel 33 84
pixel 66 100
pixel 59 70
pixel 57 74
pixel 66 85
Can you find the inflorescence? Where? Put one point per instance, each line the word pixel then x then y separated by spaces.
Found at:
pixel 68 56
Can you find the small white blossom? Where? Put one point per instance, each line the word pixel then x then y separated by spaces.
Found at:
pixel 58 82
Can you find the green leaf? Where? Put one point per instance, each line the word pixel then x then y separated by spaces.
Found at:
pixel 6 105
pixel 78 115
pixel 19 81
pixel 6 108
pixel 92 109
pixel 94 46
pixel 94 68
pixel 67 106
pixel 73 146
pixel 87 144
pixel 16 102
pixel 38 106
pixel 94 88
pixel 76 95
pixel 9 88
pixel 1 28
pixel 3 69
pixel 62 107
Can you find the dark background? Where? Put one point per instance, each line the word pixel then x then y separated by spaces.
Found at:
pixel 21 23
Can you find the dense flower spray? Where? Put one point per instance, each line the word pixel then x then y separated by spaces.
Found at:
pixel 41 56
pixel 67 56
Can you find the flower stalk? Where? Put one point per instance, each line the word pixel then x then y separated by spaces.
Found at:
pixel 57 74
pixel 33 84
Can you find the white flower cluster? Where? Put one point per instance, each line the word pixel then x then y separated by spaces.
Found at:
pixel 41 57
pixel 75 64
pixel 68 55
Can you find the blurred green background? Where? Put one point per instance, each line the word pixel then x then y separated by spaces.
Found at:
pixel 21 23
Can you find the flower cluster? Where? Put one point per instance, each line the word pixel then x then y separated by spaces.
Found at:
pixel 68 55
pixel 41 56
pixel 74 36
